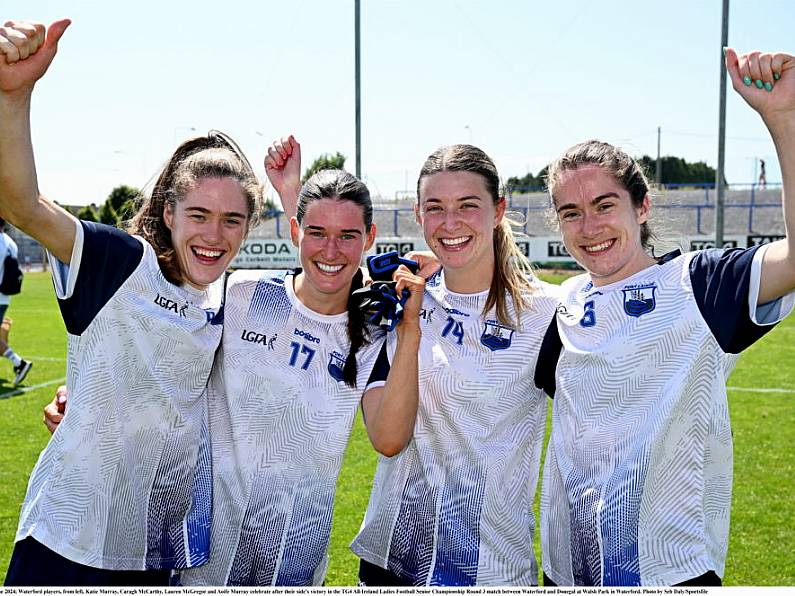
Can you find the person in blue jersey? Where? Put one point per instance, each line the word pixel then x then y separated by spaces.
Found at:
pixel 296 359
pixel 453 507
pixel 638 472
pixel 121 494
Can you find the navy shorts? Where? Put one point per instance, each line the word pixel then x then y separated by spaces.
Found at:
pixel 33 564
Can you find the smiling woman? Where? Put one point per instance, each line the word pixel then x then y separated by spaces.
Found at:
pixel 122 492
pixel 638 476
pixel 453 505
pixel 330 237
pixel 296 359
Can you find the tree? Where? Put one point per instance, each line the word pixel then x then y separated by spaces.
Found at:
pixel 676 170
pixel 523 184
pixel 325 162
pixel 107 215
pixel 122 194
pixel 127 210
pixel 87 213
pixel 527 183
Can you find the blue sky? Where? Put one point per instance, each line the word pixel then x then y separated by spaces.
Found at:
pixel 523 80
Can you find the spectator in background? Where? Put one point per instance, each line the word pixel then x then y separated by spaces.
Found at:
pixel 762 174
pixel 21 367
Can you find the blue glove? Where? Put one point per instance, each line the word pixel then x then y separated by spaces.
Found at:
pixel 379 301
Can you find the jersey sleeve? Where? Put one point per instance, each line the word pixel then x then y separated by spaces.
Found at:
pixel 103 257
pixel 547 362
pixel 380 368
pixel 726 288
pixel 11 246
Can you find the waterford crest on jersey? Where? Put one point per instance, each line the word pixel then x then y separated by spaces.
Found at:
pixel 125 481
pixel 455 506
pixel 638 475
pixel 281 416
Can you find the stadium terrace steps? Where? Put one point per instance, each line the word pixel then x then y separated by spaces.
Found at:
pixel 674 213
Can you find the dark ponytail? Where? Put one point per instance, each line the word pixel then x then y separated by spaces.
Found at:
pixel 357 331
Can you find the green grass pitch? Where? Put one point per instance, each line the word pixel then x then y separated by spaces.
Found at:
pixel 762 526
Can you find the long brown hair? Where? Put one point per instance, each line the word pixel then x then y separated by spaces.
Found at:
pixel 213 156
pixel 510 264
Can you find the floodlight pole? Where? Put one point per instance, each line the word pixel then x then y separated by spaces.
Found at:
pixel 658 176
pixel 358 64
pixel 719 176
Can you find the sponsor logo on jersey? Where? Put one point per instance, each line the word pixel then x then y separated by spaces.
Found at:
pixel 639 300
pixel 307 336
pixel 455 311
pixel 255 337
pixel 564 313
pixel 174 307
pixel 496 336
pixel 426 314
pixel 336 364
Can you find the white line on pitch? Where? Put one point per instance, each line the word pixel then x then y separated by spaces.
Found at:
pixel 45 358
pixel 22 390
pixel 761 389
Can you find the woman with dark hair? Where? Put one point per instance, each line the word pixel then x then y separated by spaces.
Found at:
pixel 452 498
pixel 638 472
pixel 295 360
pixel 120 495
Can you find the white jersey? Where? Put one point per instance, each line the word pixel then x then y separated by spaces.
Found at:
pixel 281 416
pixel 124 483
pixel 7 247
pixel 455 507
pixel 638 473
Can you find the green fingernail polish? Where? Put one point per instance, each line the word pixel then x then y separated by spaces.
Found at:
pixel 769 86
pixel 758 84
pixel 747 81
pixel 777 75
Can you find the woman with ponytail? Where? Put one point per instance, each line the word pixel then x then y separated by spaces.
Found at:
pixel 295 360
pixel 455 506
pixel 121 494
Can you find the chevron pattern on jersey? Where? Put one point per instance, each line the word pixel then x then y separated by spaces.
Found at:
pixel 270 302
pixel 459 519
pixel 411 551
pixel 455 506
pixel 256 554
pixel 280 423
pixel 114 484
pixel 639 461
pixel 197 524
pixel 307 538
